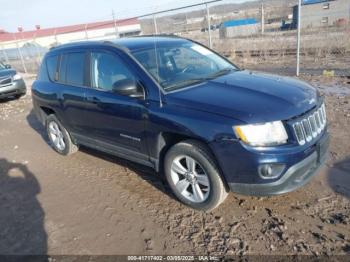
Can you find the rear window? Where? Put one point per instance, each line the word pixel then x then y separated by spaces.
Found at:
pixel 72 69
pixel 51 64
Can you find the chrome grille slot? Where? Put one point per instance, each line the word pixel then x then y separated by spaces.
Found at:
pixel 309 127
pixel 299 133
pixel 5 81
pixel 313 125
pixel 307 130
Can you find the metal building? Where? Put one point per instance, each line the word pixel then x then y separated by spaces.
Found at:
pixel 320 13
pixel 241 27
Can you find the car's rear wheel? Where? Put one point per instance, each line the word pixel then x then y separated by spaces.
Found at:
pixel 59 137
pixel 193 175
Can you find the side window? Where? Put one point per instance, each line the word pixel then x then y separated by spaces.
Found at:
pixel 74 68
pixel 51 64
pixel 107 70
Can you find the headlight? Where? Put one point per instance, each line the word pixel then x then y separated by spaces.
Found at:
pixel 267 134
pixel 17 77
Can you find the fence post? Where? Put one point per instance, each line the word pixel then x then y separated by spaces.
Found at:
pixel 262 18
pixel 209 26
pixel 86 33
pixel 115 25
pixel 155 24
pixel 299 29
pixel 55 33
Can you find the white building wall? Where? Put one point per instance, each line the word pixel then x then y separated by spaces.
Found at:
pixel 97 34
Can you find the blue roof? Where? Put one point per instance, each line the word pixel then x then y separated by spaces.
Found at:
pixel 240 22
pixel 309 2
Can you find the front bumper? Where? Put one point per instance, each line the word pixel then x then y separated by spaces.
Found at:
pixel 295 177
pixel 17 87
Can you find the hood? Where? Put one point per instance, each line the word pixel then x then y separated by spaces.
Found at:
pixel 7 72
pixel 251 97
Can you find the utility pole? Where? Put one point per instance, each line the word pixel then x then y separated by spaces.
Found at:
pixel 115 25
pixel 55 34
pixel 155 25
pixel 262 18
pixel 209 26
pixel 299 29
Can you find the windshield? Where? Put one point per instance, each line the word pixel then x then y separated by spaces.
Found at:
pixel 175 67
pixel 2 66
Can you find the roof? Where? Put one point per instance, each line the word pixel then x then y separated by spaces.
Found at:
pixel 65 29
pixel 146 42
pixel 239 22
pixel 309 2
pixel 131 43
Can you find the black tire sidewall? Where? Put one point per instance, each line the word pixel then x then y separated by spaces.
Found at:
pixel 66 137
pixel 207 163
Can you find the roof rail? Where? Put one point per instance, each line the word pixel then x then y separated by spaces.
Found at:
pixel 155 35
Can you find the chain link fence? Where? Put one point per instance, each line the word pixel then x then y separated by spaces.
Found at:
pixel 259 35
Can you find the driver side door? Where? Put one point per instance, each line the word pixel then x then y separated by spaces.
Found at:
pixel 114 122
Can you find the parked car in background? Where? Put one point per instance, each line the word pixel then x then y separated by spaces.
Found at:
pixel 11 83
pixel 182 109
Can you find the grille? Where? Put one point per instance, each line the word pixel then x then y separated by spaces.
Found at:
pixel 309 127
pixel 5 81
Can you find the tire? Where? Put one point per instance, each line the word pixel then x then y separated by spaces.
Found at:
pixel 69 147
pixel 18 96
pixel 213 194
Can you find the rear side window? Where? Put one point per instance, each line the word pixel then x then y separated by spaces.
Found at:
pixel 75 69
pixel 72 69
pixel 51 64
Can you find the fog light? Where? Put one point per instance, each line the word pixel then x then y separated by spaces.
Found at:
pixel 268 171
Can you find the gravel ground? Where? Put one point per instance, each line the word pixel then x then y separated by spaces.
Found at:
pixel 93 203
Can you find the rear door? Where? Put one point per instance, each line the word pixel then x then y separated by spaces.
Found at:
pixel 72 81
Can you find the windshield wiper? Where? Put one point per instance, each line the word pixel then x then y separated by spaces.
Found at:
pixel 221 72
pixel 185 83
pixel 199 80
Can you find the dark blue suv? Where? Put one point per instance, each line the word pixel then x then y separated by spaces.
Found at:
pixel 182 109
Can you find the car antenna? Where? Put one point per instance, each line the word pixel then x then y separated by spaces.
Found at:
pixel 157 65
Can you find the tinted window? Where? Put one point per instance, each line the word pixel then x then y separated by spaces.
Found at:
pixel 181 64
pixel 107 70
pixel 51 64
pixel 74 68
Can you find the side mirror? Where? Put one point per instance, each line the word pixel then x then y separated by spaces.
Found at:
pixel 7 66
pixel 128 87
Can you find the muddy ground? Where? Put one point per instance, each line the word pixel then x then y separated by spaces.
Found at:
pixel 93 203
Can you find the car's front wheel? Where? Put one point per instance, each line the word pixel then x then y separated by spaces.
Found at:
pixel 59 137
pixel 193 175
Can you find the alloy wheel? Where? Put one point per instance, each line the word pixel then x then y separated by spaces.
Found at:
pixel 190 179
pixel 56 136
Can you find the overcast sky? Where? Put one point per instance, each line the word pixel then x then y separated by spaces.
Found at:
pixel 51 13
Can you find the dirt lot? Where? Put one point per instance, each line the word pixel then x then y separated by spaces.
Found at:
pixel 92 203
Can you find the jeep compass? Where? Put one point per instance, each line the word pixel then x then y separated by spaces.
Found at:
pixel 176 106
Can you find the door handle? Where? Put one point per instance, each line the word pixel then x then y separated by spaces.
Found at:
pixel 93 99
